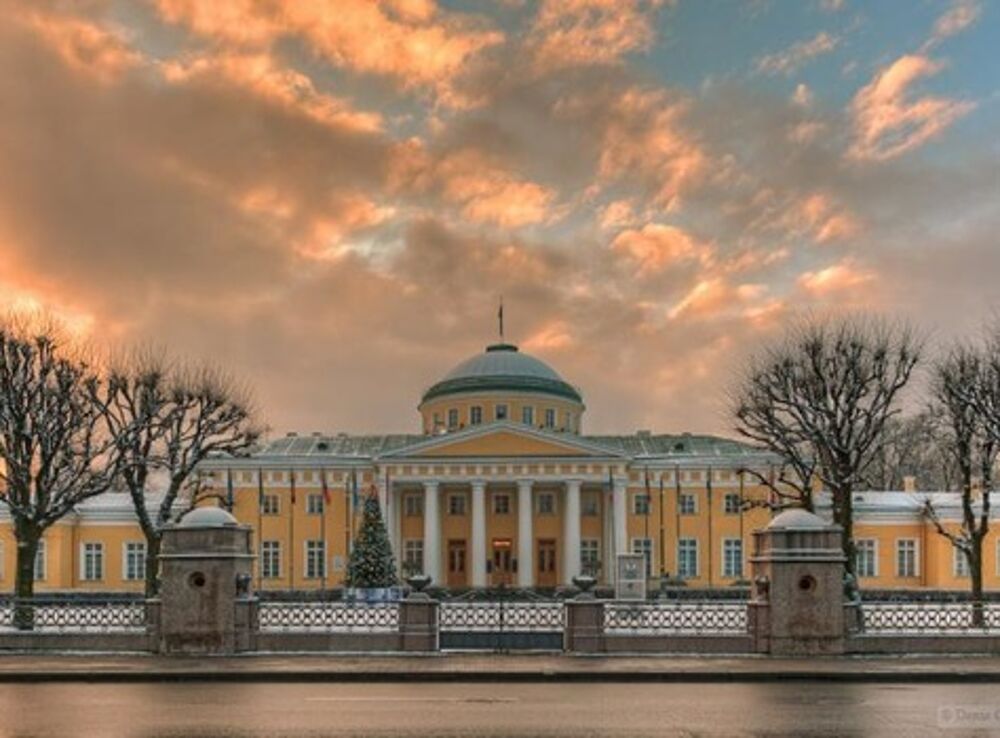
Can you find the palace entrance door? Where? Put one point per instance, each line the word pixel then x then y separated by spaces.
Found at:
pixel 456 564
pixel 501 570
pixel 545 576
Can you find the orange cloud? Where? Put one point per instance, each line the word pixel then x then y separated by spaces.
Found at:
pixel 956 19
pixel 551 336
pixel 787 61
pixel 617 214
pixel 656 247
pixel 327 236
pixel 490 193
pixel 569 33
pixel 837 278
pixel 815 215
pixel 411 41
pixel 87 47
pixel 887 123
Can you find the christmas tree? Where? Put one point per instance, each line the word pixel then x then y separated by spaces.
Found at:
pixel 371 563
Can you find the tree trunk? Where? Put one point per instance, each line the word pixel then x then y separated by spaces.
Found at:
pixel 152 564
pixel 975 557
pixel 24 578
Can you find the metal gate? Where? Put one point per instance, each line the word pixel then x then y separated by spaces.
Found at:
pixel 501 625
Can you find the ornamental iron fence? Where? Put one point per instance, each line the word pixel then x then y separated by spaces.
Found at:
pixel 345 617
pixel 676 618
pixel 501 625
pixel 937 618
pixel 78 615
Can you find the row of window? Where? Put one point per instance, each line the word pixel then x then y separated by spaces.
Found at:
pixel 93 561
pixel 271 560
pixel 501 411
pixel 907 558
pixel 270 504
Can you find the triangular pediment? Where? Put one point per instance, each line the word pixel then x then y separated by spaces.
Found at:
pixel 504 440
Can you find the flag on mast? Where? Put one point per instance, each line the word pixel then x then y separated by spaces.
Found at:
pixel 326 489
pixel 500 317
pixel 229 490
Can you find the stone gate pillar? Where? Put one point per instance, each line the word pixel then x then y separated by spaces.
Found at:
pixel 206 603
pixel 797 605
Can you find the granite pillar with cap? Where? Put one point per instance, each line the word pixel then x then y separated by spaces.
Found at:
pixel 206 605
pixel 797 605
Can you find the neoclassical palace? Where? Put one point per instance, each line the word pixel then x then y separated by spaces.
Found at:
pixel 502 486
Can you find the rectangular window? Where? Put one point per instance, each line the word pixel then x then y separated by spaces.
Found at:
pixel 731 503
pixel 413 506
pixel 961 563
pixel 644 546
pixel 314 504
pixel 475 415
pixel 315 559
pixel 546 503
pixel 269 505
pixel 732 558
pixel 687 558
pixel 590 556
pixel 906 558
pixel 41 562
pixel 453 418
pixel 270 559
pixel 135 560
pixel 501 412
pixel 93 562
pixel 456 504
pixel 501 504
pixel 866 557
pixel 568 424
pixel 688 504
pixel 413 556
pixel 640 504
pixel 589 505
pixel 550 418
pixel 528 415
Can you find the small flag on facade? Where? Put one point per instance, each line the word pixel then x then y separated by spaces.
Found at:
pixel 260 488
pixel 230 496
pixel 291 479
pixel 326 489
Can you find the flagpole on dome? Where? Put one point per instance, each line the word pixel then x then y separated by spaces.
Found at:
pixel 500 318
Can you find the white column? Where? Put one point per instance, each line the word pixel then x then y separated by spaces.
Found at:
pixel 525 535
pixel 619 515
pixel 479 534
pixel 432 534
pixel 571 532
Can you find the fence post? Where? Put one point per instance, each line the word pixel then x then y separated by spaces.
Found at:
pixel 418 623
pixel 797 605
pixel 584 625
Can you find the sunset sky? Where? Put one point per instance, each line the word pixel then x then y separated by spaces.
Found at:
pixel 329 196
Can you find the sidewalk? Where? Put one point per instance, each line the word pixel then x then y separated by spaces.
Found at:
pixel 491 668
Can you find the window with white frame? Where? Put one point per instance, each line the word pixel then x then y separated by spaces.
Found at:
pixel 501 504
pixel 135 560
pixel 731 503
pixel 590 556
pixel 413 556
pixel 732 558
pixel 906 557
pixel 456 504
pixel 550 417
pixel 568 421
pixel 475 415
pixel 961 562
pixel 453 418
pixel 41 561
pixel 93 562
pixel 640 504
pixel 500 412
pixel 269 505
pixel 687 558
pixel 314 504
pixel 413 505
pixel 687 504
pixel 644 546
pixel 270 559
pixel 546 503
pixel 315 559
pixel 528 415
pixel 590 504
pixel 866 557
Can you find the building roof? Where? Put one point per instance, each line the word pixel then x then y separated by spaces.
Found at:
pixel 502 367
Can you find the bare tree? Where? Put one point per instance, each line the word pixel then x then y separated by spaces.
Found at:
pixel 916 447
pixel 54 453
pixel 957 379
pixel 181 416
pixel 822 396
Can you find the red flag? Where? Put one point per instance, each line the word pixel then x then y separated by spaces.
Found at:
pixel 291 477
pixel 326 490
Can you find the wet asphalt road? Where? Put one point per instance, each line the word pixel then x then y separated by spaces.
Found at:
pixel 496 710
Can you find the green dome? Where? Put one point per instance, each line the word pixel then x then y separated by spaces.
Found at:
pixel 503 368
